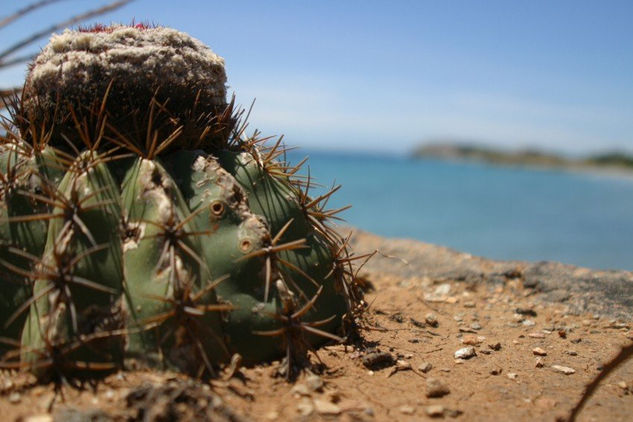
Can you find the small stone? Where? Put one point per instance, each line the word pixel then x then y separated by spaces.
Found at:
pixel 326 408
pixel 576 340
pixel 512 376
pixel 272 415
pixel 431 320
pixel 436 388
pixel 528 323
pixel 442 290
pixel 458 318
pixel 453 413
pixel 402 365
pixel 469 304
pixel 475 326
pixel 435 410
pixel 407 410
pixel 15 398
pixel 377 359
pixel 572 352
pixel 495 346
pixel 539 363
pixel 38 418
pixel 465 353
pixel 536 335
pixel 314 382
pixel 623 385
pixel 496 371
pixel 300 390
pixel 525 311
pixel 545 403
pixel 425 367
pixel 451 300
pixel 563 369
pixel 472 340
pixel 305 407
pixel 539 352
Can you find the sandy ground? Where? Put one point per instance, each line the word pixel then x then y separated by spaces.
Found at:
pixel 533 351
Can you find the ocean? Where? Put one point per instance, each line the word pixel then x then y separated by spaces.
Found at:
pixel 506 213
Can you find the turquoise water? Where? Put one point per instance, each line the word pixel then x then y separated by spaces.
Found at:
pixel 502 213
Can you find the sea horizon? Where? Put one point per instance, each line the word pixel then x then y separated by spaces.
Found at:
pixel 504 212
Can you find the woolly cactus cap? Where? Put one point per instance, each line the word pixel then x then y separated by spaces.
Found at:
pixel 76 68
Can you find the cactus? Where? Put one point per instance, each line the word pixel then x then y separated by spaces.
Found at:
pixel 140 226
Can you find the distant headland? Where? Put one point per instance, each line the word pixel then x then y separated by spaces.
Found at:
pixel 608 160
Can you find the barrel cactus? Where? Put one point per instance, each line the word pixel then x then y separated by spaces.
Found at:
pixel 141 226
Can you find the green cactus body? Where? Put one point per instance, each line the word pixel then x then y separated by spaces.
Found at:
pixel 78 280
pixel 134 235
pixel 24 174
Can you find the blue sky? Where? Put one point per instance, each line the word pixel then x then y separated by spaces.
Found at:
pixel 387 75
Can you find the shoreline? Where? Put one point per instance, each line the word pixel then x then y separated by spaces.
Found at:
pixel 583 290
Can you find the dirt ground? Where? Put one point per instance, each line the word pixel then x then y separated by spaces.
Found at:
pixel 533 352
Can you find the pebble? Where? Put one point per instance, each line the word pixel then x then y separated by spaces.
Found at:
pixel 539 363
pixel 572 352
pixel 305 407
pixel 536 335
pixel 407 410
pixel 38 418
pixel 301 390
pixel 528 323
pixel 314 382
pixel 425 367
pixel 15 398
pixel 431 319
pixel 539 352
pixel 475 326
pixel 563 369
pixel 495 346
pixel 469 304
pixel 512 376
pixel 623 385
pixel 525 311
pixel 272 415
pixel 465 353
pixel 443 289
pixel 436 388
pixel 326 408
pixel 374 359
pixel 435 410
pixel 496 371
pixel 472 340
pixel 403 365
pixel 545 403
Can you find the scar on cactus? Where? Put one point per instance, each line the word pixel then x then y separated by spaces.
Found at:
pixel 140 226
